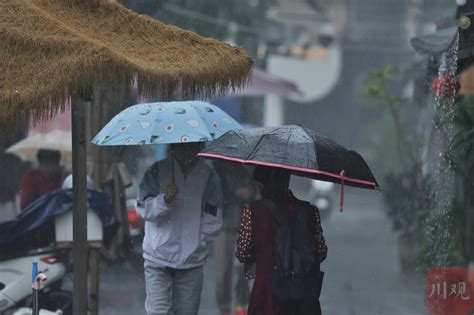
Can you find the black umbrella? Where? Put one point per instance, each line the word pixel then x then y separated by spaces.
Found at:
pixel 295 148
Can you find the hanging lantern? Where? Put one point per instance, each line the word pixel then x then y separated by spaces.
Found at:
pixel 445 85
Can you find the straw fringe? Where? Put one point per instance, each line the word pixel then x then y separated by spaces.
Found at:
pixel 52 49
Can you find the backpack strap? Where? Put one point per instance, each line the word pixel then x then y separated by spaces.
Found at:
pixel 307 209
pixel 276 213
pixel 283 246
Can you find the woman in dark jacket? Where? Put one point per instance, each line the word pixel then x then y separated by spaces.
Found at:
pixel 256 245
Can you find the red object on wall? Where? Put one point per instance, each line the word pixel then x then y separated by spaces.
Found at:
pixel 449 291
pixel 445 85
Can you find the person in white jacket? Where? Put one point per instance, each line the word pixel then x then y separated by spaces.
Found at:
pixel 180 199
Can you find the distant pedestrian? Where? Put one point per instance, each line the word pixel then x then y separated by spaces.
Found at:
pixel 238 189
pixel 38 182
pixel 282 238
pixel 180 199
pixel 47 177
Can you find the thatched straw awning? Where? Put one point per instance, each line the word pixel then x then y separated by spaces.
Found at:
pixel 50 49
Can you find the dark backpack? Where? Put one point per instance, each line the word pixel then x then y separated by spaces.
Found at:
pixel 297 272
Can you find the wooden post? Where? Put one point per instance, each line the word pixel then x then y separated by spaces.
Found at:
pixel 94 263
pixel 79 231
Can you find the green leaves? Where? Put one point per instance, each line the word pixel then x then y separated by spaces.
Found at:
pixel 377 87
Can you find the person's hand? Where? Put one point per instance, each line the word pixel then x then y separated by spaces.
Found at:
pixel 171 192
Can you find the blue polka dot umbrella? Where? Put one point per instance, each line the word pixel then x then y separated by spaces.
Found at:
pixel 166 123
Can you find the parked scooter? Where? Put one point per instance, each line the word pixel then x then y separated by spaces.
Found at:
pixel 136 227
pixel 15 282
pixel 54 262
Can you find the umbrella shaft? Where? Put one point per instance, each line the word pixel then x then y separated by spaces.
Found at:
pixel 172 167
pixel 35 302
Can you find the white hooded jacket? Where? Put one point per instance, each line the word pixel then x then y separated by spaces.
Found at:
pixel 177 235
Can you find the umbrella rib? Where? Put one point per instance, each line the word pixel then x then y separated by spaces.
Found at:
pixel 288 142
pixel 315 148
pixel 255 146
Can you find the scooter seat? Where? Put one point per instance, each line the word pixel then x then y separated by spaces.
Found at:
pixel 8 253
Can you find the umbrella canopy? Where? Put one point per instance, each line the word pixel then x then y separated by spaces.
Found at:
pixel 166 122
pixel 62 121
pixel 295 148
pixel 51 49
pixel 57 140
pixel 435 43
pixel 265 83
pixel 261 83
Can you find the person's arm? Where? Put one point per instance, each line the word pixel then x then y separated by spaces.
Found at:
pixel 211 222
pixel 27 192
pixel 246 248
pixel 151 202
pixel 321 241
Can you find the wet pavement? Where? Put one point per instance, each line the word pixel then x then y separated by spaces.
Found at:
pixel 362 270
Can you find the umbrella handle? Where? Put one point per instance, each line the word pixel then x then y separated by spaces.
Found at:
pixel 41 277
pixel 34 293
pixel 341 204
pixel 172 166
pixel 34 271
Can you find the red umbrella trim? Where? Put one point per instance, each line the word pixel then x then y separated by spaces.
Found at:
pixel 293 168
